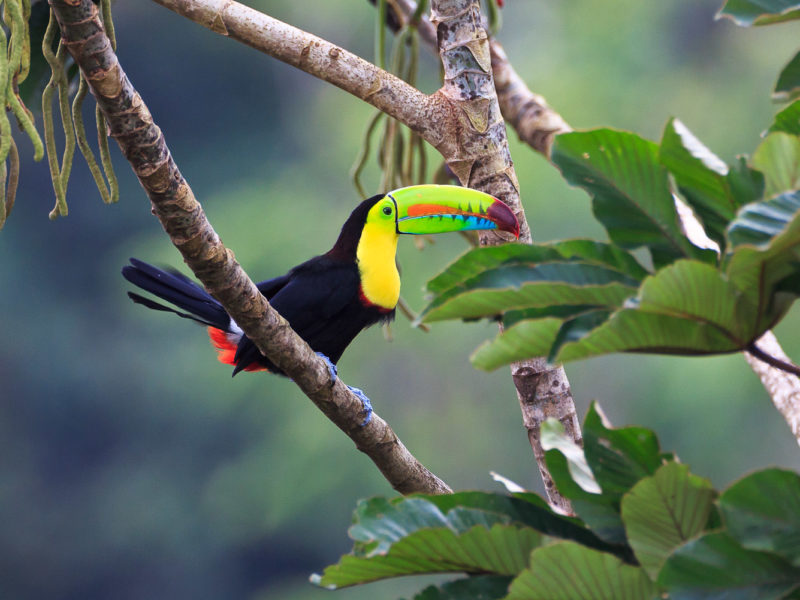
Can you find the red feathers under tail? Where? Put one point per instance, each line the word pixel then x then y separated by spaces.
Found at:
pixel 226 349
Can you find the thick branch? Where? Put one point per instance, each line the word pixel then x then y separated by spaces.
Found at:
pixel 182 217
pixel 480 157
pixel 529 114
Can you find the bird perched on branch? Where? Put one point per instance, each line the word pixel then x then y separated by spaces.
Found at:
pixel 330 298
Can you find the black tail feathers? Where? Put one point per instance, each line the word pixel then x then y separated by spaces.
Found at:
pixel 176 289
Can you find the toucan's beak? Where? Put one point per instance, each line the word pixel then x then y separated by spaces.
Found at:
pixel 423 209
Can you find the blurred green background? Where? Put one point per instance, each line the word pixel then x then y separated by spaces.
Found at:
pixel 132 466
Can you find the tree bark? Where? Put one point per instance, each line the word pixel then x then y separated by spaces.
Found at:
pixel 182 217
pixel 480 158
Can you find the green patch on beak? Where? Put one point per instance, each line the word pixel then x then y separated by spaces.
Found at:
pixel 424 209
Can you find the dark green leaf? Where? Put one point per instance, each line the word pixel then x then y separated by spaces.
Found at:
pixel 760 12
pixel 746 184
pixel 702 178
pixel 629 188
pixel 601 253
pixel 568 571
pixel 514 286
pixel 484 587
pixel 778 158
pixel 663 511
pixel 788 85
pixel 576 328
pixel 788 120
pixel 716 567
pixel 762 511
pixel 619 458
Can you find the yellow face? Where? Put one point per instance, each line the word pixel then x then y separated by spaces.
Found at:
pixel 376 252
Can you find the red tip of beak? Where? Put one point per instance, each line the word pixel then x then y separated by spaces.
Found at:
pixel 503 217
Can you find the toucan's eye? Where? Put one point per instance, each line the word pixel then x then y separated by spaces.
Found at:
pixel 387 210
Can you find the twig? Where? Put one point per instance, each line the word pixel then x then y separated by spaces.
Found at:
pixel 182 217
pixel 773 361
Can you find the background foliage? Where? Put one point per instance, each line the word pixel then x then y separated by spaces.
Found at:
pixel 132 466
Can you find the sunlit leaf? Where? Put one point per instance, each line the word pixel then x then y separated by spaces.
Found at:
pixel 629 188
pixel 663 511
pixel 778 158
pixel 715 566
pixel 702 178
pixel 568 571
pixel 553 437
pixel 686 308
pixel 762 511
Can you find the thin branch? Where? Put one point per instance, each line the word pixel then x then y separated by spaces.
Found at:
pixel 319 58
pixel 784 365
pixel 182 217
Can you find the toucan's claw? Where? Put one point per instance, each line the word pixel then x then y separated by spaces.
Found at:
pixel 331 367
pixel 365 402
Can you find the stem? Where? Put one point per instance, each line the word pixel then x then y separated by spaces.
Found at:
pixel 182 217
pixel 773 361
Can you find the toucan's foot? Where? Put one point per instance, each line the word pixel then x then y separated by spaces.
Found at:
pixel 331 367
pixel 365 402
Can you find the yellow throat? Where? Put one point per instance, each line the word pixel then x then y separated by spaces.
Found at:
pixel 377 266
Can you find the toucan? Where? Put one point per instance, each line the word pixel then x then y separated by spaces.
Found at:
pixel 330 298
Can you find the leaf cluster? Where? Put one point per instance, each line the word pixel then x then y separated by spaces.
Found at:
pixel 645 528
pixel 716 291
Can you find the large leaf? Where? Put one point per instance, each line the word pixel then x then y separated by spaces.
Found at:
pixel 501 549
pixel 766 251
pixel 685 308
pixel 568 571
pixel 788 85
pixel 787 120
pixel 760 12
pixel 702 178
pixel 762 511
pixel 778 158
pixel 536 284
pixel 663 511
pixel 716 567
pixel 484 587
pixel 629 189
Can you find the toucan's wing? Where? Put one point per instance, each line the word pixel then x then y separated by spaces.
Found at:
pixel 270 287
pixel 313 300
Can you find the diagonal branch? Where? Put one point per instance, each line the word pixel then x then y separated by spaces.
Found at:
pixel 143 144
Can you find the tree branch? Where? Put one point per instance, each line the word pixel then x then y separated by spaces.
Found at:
pixel 319 58
pixel 480 158
pixel 182 217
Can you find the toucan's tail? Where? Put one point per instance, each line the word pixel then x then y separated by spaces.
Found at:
pixel 176 289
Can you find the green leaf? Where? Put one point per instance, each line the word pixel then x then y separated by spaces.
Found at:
pixel 531 285
pixel 787 120
pixel 601 253
pixel 526 509
pixel 702 178
pixel 685 308
pixel 788 85
pixel 716 567
pixel 760 12
pixel 619 457
pixel 502 549
pixel 663 511
pixel 778 158
pixel 766 252
pixel 483 587
pixel 762 511
pixel 568 571
pixel 629 188
pixel 576 328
